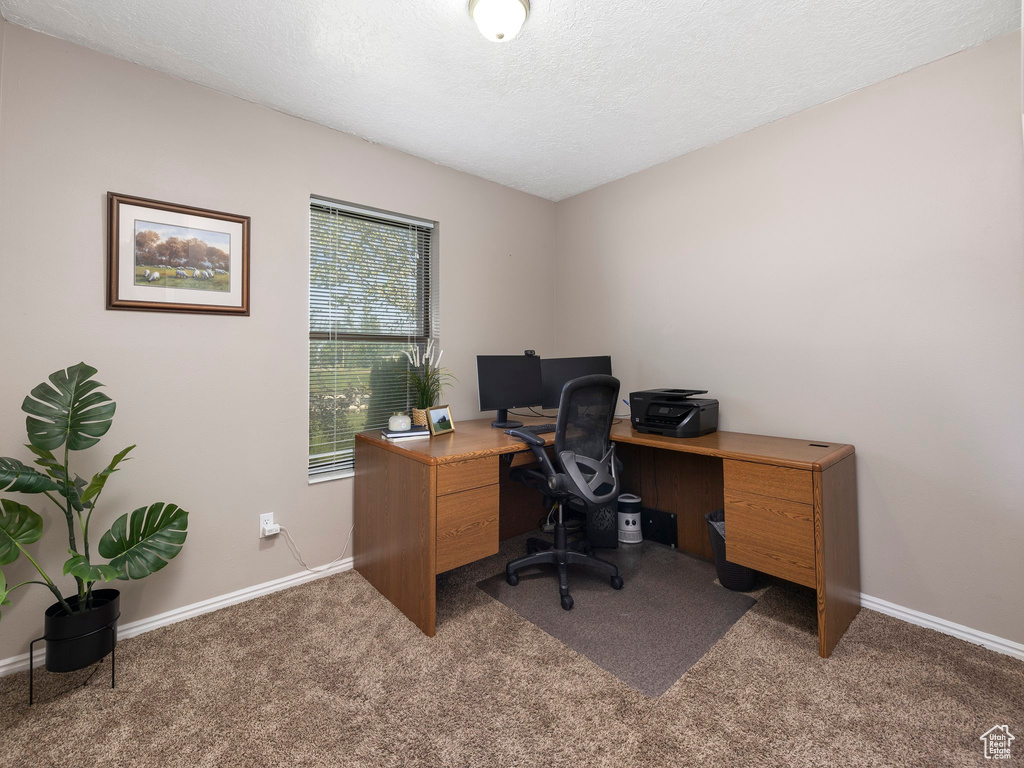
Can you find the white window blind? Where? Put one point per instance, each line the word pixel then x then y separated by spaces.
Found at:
pixel 372 294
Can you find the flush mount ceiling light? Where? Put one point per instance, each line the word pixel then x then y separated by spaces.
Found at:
pixel 499 20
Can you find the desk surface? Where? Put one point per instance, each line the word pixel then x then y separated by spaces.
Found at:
pixel 477 438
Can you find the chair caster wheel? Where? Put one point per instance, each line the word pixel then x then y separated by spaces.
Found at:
pixel 512 579
pixel 567 602
pixel 617 582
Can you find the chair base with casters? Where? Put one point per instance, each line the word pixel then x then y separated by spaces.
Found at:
pixel 561 554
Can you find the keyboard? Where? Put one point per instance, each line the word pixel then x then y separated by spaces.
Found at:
pixel 533 429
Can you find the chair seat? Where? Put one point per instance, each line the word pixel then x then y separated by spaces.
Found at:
pixel 531 477
pixel 537 480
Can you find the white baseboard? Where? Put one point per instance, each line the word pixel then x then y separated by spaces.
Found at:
pixel 909 615
pixel 131 629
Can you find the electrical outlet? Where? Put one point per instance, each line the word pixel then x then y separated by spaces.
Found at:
pixel 266 521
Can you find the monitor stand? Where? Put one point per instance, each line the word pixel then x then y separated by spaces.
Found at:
pixel 502 421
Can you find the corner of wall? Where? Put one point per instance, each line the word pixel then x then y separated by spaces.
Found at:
pixel 3 35
pixel 555 322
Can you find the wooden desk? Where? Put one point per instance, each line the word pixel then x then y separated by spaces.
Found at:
pixel 426 506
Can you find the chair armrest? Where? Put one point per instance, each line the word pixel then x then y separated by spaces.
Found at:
pixel 536 443
pixel 527 437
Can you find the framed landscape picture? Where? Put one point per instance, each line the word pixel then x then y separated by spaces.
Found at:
pixel 174 258
pixel 439 420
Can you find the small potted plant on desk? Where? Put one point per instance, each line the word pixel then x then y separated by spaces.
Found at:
pixel 428 380
pixel 70 413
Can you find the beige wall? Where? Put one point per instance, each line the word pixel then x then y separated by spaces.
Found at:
pixel 217 405
pixel 853 273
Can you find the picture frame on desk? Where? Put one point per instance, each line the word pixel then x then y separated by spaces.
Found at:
pixel 439 420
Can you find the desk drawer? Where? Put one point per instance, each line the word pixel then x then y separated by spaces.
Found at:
pixel 467 527
pixel 463 475
pixel 770 535
pixel 768 480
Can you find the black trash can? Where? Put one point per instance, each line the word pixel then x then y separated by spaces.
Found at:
pixel 738 578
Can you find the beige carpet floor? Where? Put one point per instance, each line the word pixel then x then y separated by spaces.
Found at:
pixel 330 674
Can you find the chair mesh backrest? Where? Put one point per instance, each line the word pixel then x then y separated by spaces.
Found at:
pixel 585 413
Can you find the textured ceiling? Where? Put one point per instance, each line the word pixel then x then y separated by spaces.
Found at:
pixel 590 91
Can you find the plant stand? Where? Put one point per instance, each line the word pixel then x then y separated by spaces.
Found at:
pixel 111 627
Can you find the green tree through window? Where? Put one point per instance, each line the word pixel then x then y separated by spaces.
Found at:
pixel 370 297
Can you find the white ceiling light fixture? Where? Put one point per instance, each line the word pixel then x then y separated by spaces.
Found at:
pixel 499 20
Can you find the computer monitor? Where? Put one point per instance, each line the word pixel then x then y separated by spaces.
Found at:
pixel 556 371
pixel 508 381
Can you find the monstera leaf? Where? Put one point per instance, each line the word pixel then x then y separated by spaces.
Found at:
pixel 19 526
pixel 67 486
pixel 70 411
pixel 100 478
pixel 18 478
pixel 142 544
pixel 70 488
pixel 79 567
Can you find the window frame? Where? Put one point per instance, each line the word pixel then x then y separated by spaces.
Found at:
pixel 427 303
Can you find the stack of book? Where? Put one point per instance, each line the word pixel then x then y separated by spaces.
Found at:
pixel 408 434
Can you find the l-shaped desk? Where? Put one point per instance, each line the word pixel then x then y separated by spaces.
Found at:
pixel 423 507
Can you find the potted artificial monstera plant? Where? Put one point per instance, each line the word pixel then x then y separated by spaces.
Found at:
pixel 67 414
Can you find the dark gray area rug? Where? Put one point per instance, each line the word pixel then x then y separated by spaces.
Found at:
pixel 647 634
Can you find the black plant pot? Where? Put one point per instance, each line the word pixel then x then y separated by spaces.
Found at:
pixel 80 639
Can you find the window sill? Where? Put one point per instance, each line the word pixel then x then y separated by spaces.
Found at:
pixel 328 476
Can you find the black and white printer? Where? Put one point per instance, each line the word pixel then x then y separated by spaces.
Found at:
pixel 673 412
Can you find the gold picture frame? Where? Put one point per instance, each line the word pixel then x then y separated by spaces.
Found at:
pixel 439 420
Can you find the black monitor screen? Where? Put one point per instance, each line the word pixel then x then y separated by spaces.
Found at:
pixel 508 381
pixel 555 371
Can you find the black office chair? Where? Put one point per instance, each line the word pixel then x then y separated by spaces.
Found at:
pixel 588 480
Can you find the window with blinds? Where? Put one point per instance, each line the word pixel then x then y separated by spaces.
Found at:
pixel 371 296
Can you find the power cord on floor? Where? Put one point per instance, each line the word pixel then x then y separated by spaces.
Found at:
pixel 320 568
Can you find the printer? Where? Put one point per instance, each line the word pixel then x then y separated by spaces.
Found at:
pixel 673 412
